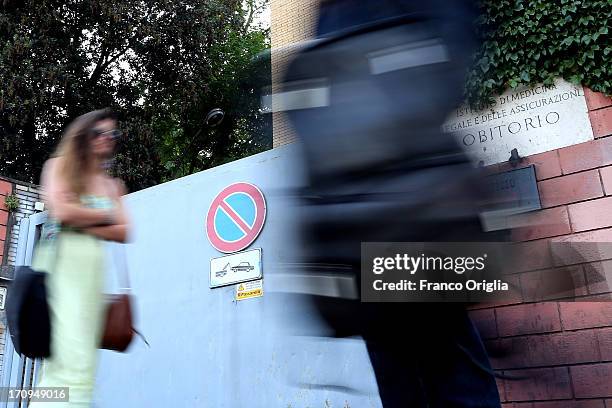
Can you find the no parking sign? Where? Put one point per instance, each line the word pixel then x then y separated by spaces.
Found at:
pixel 236 217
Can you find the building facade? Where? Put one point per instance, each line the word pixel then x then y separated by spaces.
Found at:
pixel 293 21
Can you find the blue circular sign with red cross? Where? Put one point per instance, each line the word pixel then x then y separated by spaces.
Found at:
pixel 236 217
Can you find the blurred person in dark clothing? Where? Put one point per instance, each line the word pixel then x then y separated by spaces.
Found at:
pixel 372 93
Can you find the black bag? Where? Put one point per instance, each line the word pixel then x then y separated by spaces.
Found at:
pixel 27 313
pixel 29 322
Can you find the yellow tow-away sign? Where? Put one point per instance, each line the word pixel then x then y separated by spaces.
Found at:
pixel 247 290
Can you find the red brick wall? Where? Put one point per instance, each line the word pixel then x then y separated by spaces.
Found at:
pixel 562 349
pixel 6 188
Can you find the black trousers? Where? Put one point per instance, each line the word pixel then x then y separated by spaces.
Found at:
pixel 423 354
pixel 435 369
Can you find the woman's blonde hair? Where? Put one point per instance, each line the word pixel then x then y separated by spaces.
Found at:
pixel 74 148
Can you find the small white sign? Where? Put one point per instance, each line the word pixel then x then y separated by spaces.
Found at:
pixel 531 120
pixel 235 268
pixel 2 297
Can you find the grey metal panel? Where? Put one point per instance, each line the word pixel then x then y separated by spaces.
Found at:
pixel 37 370
pixel 16 377
pixel 514 190
pixel 13 369
pixel 12 360
pixel 35 221
pixel 207 349
pixel 27 378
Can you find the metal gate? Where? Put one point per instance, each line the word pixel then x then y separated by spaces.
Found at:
pixel 20 372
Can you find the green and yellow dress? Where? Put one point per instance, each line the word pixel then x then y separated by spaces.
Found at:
pixel 75 263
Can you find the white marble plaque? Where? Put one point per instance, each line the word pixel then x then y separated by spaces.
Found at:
pixel 531 120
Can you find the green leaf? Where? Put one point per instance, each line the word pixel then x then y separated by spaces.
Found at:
pixel 49 51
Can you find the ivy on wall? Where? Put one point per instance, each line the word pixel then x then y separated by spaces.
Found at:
pixel 535 41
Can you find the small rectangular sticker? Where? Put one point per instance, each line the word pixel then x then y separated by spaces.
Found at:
pixel 247 290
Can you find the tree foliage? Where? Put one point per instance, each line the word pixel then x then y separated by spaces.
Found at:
pixel 535 41
pixel 161 64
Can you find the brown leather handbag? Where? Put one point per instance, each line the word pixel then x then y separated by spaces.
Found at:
pixel 118 329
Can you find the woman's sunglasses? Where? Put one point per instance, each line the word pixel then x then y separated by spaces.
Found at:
pixel 114 134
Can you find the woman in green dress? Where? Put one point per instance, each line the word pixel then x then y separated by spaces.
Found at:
pixel 85 208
